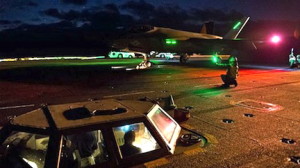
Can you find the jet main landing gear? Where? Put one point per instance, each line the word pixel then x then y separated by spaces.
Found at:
pixel 183 58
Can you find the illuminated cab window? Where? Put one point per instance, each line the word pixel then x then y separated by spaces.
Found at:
pixel 83 150
pixel 23 149
pixel 134 139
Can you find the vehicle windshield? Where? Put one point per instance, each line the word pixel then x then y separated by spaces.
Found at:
pixel 23 149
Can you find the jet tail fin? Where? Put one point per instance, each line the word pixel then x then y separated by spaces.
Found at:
pixel 236 29
pixel 207 28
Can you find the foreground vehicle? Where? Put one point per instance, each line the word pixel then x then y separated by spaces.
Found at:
pixel 106 133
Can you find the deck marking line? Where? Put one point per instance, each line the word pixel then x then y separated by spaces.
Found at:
pixel 14 107
pixel 126 94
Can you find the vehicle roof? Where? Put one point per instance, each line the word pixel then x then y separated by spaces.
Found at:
pixel 37 118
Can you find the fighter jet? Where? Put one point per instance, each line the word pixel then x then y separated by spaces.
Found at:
pixel 150 38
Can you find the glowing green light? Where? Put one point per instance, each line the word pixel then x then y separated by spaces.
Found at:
pixel 208 92
pixel 214 59
pixel 171 41
pixel 237 25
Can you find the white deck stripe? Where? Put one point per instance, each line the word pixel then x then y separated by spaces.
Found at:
pixel 14 107
pixel 128 94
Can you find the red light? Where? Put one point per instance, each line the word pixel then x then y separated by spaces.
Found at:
pixel 275 39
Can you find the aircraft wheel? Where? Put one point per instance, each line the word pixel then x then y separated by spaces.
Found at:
pixel 149 64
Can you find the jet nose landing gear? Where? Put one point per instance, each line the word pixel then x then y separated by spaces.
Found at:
pixel 144 65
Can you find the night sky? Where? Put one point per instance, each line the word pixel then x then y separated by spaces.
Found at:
pixel 89 27
pixel 14 13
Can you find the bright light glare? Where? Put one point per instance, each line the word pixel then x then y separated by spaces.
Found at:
pixel 275 39
pixel 31 163
pixel 125 128
pixel 145 144
pixel 215 59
